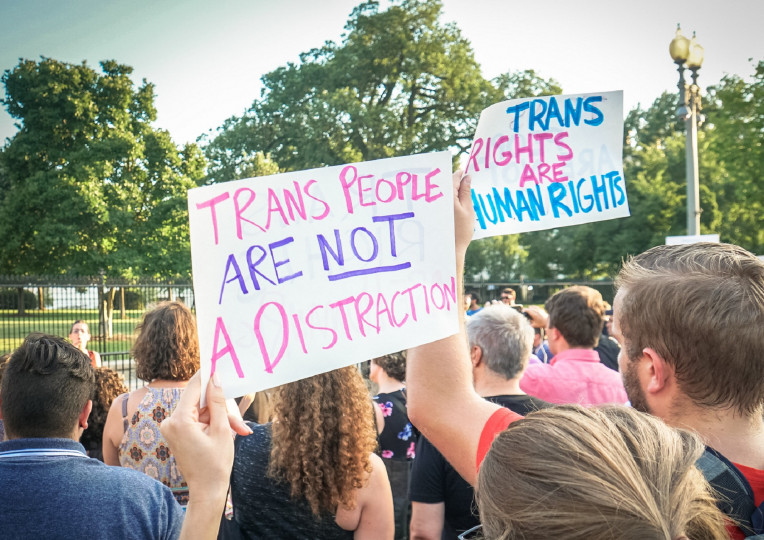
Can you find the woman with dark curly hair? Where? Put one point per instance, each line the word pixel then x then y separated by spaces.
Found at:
pixel 397 438
pixel 312 473
pixel 109 385
pixel 166 355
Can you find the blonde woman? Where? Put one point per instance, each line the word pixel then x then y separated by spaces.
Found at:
pixel 590 474
pixel 312 473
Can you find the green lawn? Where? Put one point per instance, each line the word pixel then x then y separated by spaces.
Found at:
pixel 13 328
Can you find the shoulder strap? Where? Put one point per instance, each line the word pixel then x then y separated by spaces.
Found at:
pixel 734 493
pixel 124 412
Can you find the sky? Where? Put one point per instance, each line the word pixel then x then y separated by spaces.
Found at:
pixel 206 58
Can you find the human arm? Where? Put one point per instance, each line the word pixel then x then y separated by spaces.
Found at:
pixel 377 520
pixel 439 375
pixel 112 432
pixel 97 359
pixel 201 441
pixel 427 520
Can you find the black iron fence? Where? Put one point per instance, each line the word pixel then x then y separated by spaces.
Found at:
pixel 113 308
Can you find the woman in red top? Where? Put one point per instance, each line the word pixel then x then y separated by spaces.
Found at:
pixel 79 335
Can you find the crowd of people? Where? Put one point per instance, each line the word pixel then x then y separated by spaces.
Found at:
pixel 528 423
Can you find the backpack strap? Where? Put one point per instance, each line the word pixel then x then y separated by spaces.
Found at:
pixel 124 412
pixel 734 493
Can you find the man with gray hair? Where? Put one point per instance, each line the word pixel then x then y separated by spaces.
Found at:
pixel 500 341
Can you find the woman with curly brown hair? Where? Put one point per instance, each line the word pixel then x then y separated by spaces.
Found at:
pixel 312 473
pixel 166 355
pixel 109 385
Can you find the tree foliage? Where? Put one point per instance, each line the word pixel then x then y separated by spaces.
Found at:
pixel 87 184
pixel 399 83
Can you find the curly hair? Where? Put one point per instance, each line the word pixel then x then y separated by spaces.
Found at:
pixel 394 365
pixel 167 346
pixel 109 385
pixel 323 437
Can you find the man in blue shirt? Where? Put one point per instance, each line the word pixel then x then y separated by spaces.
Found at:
pixel 52 489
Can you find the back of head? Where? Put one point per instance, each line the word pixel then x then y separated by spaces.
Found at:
pixel 393 364
pixel 505 338
pixel 579 314
pixel 701 307
pixel 46 384
pixel 167 346
pixel 581 474
pixel 323 437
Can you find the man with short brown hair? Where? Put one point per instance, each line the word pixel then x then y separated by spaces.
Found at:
pixel 574 374
pixel 691 322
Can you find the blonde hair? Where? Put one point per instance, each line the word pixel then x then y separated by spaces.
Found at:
pixel 323 438
pixel 599 473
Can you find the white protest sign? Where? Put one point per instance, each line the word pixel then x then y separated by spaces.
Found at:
pixel 304 272
pixel 547 162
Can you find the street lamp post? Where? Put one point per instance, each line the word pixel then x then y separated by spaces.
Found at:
pixel 688 53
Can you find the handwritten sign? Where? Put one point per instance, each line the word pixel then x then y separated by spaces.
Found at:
pixel 300 273
pixel 548 162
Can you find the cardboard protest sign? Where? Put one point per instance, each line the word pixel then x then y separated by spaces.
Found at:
pixel 304 272
pixel 548 162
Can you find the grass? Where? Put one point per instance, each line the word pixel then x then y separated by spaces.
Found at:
pixel 14 328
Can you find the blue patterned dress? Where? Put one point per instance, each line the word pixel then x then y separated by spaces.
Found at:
pixel 144 449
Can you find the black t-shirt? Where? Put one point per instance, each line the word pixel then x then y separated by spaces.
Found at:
pixel 608 351
pixel 262 506
pixel 433 480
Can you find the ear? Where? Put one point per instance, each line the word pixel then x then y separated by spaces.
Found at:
pixel 660 374
pixel 553 334
pixel 476 355
pixel 83 420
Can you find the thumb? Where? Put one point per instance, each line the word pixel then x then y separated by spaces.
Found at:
pixel 465 190
pixel 223 417
pixel 216 406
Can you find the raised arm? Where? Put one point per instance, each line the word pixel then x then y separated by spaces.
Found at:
pixel 441 400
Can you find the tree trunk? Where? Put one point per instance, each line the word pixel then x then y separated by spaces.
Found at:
pixel 169 294
pixel 41 298
pixel 122 303
pixel 22 309
pixel 106 311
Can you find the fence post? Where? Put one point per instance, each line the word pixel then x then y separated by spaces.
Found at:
pixel 22 309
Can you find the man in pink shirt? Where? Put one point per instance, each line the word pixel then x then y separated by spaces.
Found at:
pixel 575 374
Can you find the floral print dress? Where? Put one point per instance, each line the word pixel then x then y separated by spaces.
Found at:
pixel 397 440
pixel 143 448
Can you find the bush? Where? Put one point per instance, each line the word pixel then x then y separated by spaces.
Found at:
pixel 9 299
pixel 133 300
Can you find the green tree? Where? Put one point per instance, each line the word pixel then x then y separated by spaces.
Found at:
pixel 735 119
pixel 89 185
pixel 399 83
